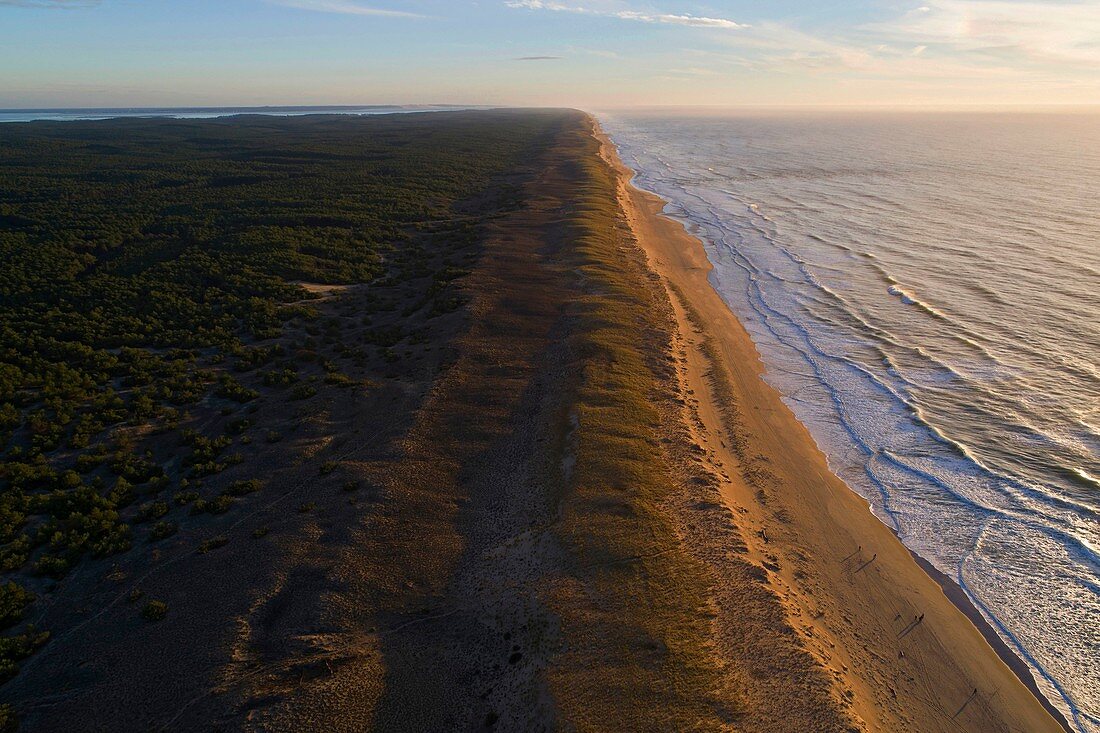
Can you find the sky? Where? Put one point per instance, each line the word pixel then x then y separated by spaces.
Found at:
pixel 592 54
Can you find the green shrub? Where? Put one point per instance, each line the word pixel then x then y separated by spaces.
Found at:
pixel 86 462
pixel 162 530
pixel 387 336
pixel 154 610
pixel 213 543
pixel 13 600
pixel 135 469
pixel 184 498
pixel 52 566
pixel 218 505
pixel 152 510
pixel 14 649
pixel 15 553
pixel 340 380
pixel 280 378
pixel 243 488
pixel 230 389
pixel 303 392
pixel 9 722
pixel 204 453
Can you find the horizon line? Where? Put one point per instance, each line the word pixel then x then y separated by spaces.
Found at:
pixel 908 106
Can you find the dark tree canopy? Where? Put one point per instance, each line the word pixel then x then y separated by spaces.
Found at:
pixel 148 264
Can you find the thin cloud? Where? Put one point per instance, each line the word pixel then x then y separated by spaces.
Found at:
pixel 56 4
pixel 1060 32
pixel 345 7
pixel 537 58
pixel 777 48
pixel 601 53
pixel 694 21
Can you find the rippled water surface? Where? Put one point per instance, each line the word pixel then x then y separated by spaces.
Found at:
pixel 925 292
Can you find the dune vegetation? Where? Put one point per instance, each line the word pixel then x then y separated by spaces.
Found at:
pixel 153 276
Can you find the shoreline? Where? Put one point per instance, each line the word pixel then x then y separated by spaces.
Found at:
pixel 964 652
pixel 1018 665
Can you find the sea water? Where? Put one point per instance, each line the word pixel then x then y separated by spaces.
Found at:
pixel 924 290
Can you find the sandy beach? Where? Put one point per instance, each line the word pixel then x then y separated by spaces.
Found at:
pixel 899 653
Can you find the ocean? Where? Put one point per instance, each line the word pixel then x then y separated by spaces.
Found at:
pixel 924 290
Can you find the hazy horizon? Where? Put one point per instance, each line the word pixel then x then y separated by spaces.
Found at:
pixel 698 109
pixel 605 54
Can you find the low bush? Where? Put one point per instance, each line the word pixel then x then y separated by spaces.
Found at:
pixel 218 505
pixel 340 380
pixel 184 498
pixel 162 530
pixel 14 649
pixel 230 389
pixel 303 392
pixel 243 488
pixel 213 543
pixel 9 722
pixel 154 610
pixel 14 598
pixel 152 510
pixel 280 378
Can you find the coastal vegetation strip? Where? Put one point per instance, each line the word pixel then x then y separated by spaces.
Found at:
pixel 633 603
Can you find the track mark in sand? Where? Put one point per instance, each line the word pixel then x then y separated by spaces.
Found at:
pixel 415 621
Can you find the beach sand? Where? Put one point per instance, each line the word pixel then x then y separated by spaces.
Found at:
pixel 899 651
